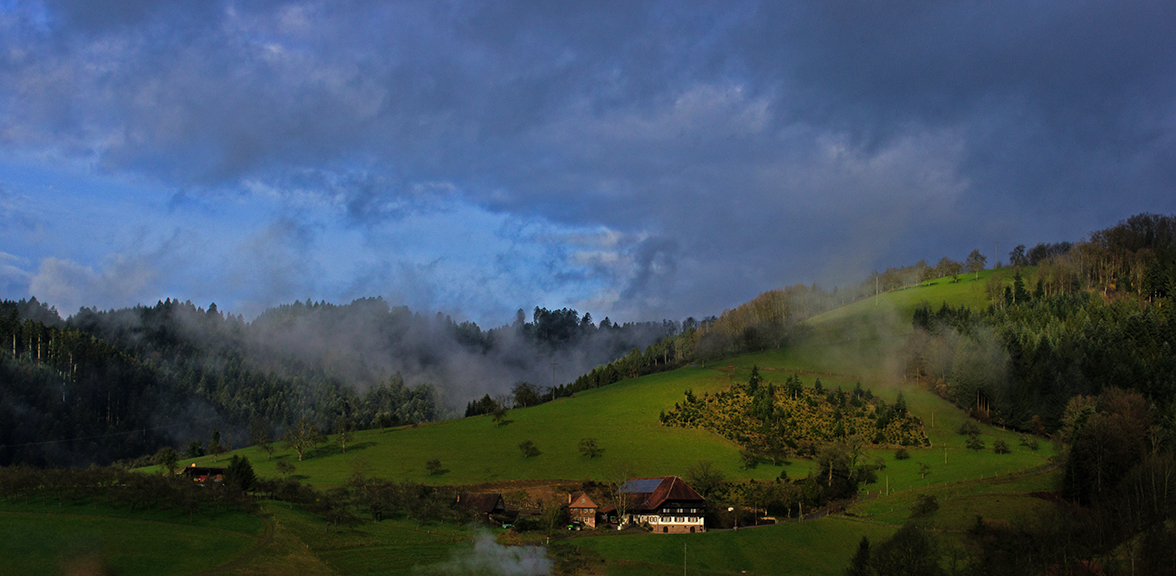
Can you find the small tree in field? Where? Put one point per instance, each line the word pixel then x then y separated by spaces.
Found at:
pixel 1001 447
pixel 344 432
pixel 434 467
pixel 303 436
pixel 925 505
pixel 214 445
pixel 499 418
pixel 975 262
pixel 167 457
pixel 590 448
pixel 529 449
pixel 285 469
pixel 975 443
pixel 969 428
pixel 259 433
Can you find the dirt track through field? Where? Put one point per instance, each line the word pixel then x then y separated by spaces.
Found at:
pixel 262 543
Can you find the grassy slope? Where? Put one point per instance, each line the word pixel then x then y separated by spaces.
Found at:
pixel 40 538
pixel 847 345
pixel 623 418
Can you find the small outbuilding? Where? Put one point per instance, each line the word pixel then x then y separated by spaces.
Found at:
pixel 204 474
pixel 485 504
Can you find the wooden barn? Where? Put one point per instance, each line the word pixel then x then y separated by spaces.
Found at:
pixel 484 504
pixel 204 474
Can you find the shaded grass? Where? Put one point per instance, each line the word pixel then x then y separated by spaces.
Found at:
pixel 285 555
pixel 815 547
pixel 391 547
pixel 50 539
pixel 960 502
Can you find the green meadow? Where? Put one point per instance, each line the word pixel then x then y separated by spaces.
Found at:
pixel 388 548
pixel 623 418
pixel 815 547
pixel 47 538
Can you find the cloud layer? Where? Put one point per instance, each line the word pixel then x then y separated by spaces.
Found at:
pixel 633 158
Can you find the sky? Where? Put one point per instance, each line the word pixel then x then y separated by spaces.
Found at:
pixel 637 160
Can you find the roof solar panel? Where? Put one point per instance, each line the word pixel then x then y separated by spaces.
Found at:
pixel 642 486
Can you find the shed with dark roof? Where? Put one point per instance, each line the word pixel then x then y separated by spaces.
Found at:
pixel 485 504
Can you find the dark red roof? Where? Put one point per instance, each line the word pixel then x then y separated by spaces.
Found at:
pixel 650 493
pixel 489 503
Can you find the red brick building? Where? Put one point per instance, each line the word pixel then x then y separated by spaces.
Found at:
pixel 582 509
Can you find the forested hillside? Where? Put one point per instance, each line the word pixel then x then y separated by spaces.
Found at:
pixel 105 385
pixel 1077 342
pixel 1086 318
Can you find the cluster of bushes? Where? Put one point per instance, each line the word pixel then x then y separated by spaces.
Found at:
pixel 839 472
pixel 120 488
pixel 361 500
pixel 794 420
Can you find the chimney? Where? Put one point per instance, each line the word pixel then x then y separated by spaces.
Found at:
pixel 569 498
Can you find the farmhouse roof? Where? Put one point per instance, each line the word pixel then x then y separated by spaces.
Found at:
pixel 194 470
pixel 650 493
pixel 487 503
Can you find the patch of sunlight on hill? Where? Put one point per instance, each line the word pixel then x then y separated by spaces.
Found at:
pixel 624 419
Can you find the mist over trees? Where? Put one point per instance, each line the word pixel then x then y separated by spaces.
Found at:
pixel 1090 316
pixel 105 385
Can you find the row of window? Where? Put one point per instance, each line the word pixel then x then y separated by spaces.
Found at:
pixel 672 519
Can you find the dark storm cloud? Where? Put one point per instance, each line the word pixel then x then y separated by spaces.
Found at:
pixel 119 15
pixel 735 147
pixel 1055 101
